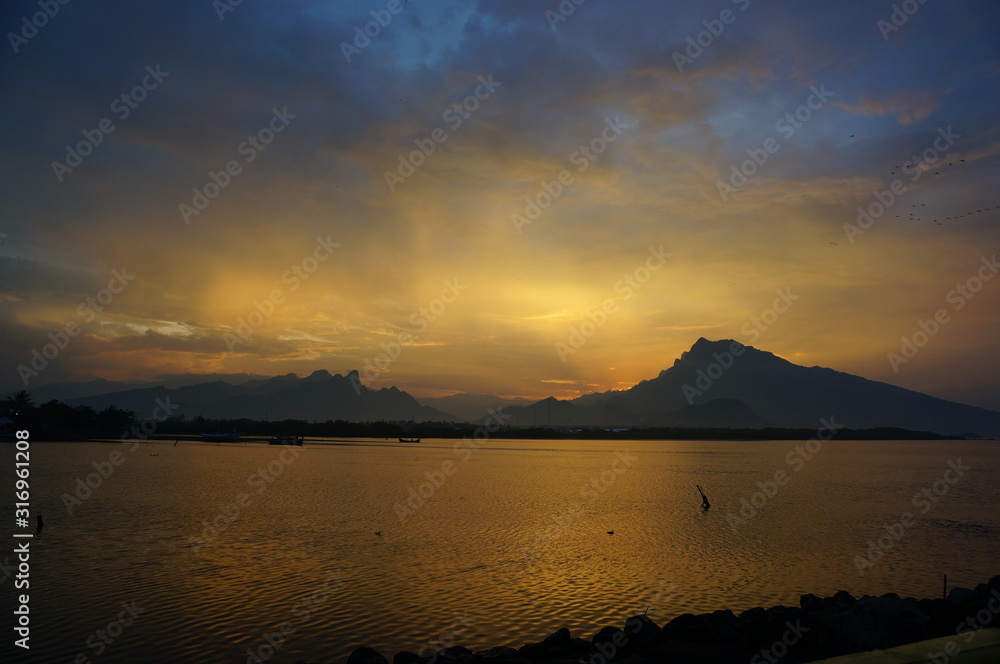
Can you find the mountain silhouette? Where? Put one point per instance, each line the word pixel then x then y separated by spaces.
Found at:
pixel 471 407
pixel 724 384
pixel 616 412
pixel 725 413
pixel 319 396
pixel 715 384
pixel 791 395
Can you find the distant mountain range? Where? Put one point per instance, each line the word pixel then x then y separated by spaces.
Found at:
pixel 98 386
pixel 472 407
pixel 716 384
pixel 725 384
pixel 319 396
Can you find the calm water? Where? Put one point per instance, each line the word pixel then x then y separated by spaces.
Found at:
pixel 510 547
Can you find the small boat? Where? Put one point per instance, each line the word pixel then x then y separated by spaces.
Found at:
pixel 409 440
pixel 286 440
pixel 218 436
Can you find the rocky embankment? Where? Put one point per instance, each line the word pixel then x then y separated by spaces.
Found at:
pixel 818 628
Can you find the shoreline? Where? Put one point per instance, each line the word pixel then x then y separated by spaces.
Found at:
pixel 697 436
pixel 818 628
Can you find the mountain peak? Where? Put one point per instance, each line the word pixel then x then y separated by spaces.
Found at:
pixel 704 345
pixel 319 374
pixel 702 350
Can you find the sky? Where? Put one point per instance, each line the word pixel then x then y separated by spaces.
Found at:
pixel 509 197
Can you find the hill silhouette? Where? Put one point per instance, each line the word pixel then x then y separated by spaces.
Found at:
pixel 722 383
pixel 715 384
pixel 319 396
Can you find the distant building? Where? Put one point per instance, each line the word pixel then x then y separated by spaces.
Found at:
pixel 6 427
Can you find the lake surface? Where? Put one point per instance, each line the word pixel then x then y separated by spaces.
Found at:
pixel 511 545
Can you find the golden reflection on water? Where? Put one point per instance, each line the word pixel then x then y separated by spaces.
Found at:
pixel 508 546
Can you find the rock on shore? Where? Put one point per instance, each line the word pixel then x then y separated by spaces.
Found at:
pixel 820 627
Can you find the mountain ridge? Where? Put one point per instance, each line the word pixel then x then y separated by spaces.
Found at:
pixel 718 383
pixel 776 390
pixel 319 396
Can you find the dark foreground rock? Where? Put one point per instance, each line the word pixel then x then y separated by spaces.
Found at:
pixel 820 627
pixel 366 656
